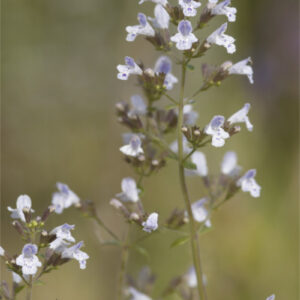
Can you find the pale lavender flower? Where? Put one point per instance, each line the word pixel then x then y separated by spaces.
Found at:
pixel 190 277
pixel 130 68
pixel 162 2
pixel 64 198
pixel 130 192
pixel 190 116
pixel 144 28
pixel 28 259
pixel 134 148
pixel 243 68
pixel 249 184
pixel 214 128
pixel 186 147
pixel 23 202
pixel 213 1
pixel 164 65
pixel 229 164
pixel 241 116
pixel 2 251
pixel 224 9
pixel 189 7
pixel 17 278
pixel 219 38
pixel 63 234
pixel 199 159
pixel 139 107
pixel 74 252
pixel 136 295
pixel 161 17
pixel 272 297
pixel 151 223
pixel 200 212
pixel 184 39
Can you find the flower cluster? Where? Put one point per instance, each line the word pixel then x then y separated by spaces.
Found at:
pixel 44 250
pixel 174 30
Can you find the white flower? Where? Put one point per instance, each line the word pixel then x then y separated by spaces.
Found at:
pixel 213 1
pixel 139 107
pixel 63 233
pixel 248 183
pixel 214 128
pixel 272 297
pixel 151 223
pixel 184 39
pixel 189 7
pixel 162 2
pixel 199 159
pixel 186 147
pixel 219 38
pixel 144 28
pixel 200 213
pixel 223 9
pixel 2 251
pixel 242 68
pixel 164 65
pixel 28 260
pixel 190 277
pixel 18 279
pixel 130 192
pixel 229 164
pixel 23 202
pixel 241 116
pixel 134 147
pixel 130 68
pixel 162 18
pixel 64 198
pixel 136 295
pixel 190 116
pixel 75 253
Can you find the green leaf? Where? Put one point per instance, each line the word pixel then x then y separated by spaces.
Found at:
pixel 142 251
pixel 111 243
pixel 19 288
pixel 180 241
pixel 39 283
pixel 189 165
pixel 191 67
pixel 171 106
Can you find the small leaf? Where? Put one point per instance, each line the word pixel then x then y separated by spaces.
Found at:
pixel 191 67
pixel 171 106
pixel 142 251
pixel 39 283
pixel 19 288
pixel 180 241
pixel 189 165
pixel 111 243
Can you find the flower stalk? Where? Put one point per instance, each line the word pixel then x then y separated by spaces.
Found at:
pixel 195 247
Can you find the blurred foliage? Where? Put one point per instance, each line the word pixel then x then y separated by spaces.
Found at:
pixel 59 88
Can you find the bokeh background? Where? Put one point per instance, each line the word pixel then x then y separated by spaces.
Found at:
pixel 59 88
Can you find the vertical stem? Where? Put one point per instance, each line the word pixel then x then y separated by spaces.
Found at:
pixel 29 291
pixel 124 261
pixel 193 232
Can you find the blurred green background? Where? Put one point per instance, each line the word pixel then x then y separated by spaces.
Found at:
pixel 59 88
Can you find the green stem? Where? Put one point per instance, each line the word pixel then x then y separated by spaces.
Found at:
pixel 192 226
pixel 29 291
pixel 124 261
pixel 101 224
pixel 171 99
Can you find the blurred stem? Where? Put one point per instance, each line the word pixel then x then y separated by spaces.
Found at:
pixel 101 224
pixel 193 231
pixel 124 261
pixel 29 290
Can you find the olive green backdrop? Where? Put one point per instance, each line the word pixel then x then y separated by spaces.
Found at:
pixel 59 88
